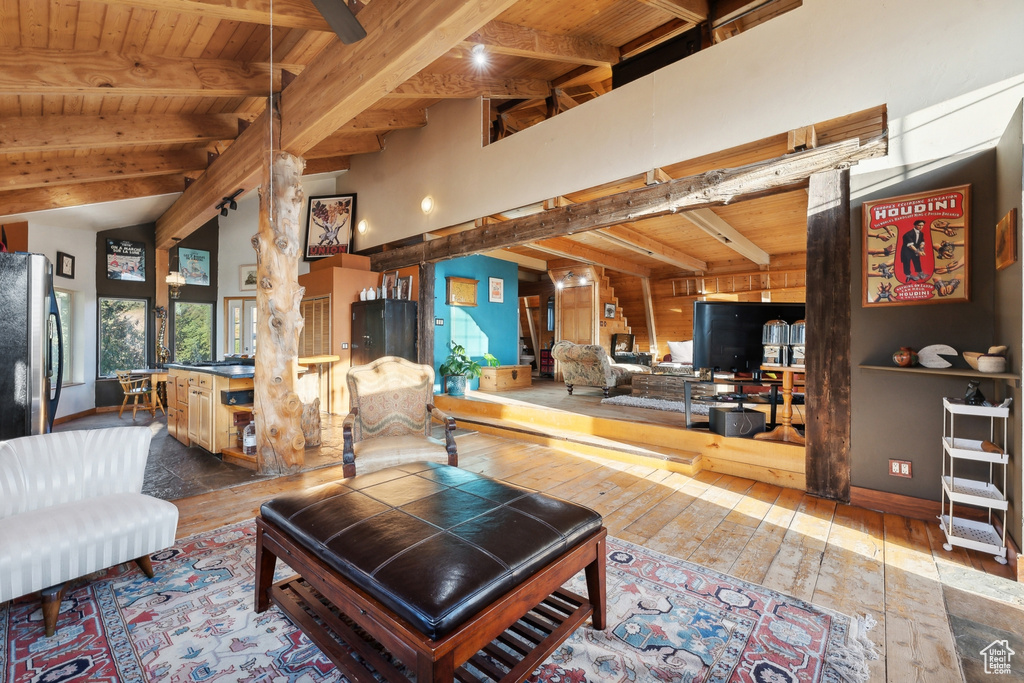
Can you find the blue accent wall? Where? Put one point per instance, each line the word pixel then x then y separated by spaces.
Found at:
pixel 484 328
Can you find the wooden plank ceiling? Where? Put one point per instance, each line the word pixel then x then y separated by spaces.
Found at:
pixel 102 100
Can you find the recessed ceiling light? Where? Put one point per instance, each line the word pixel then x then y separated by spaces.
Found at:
pixel 479 56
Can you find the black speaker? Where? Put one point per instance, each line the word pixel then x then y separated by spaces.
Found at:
pixel 732 422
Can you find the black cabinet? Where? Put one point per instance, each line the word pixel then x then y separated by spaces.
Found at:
pixel 384 327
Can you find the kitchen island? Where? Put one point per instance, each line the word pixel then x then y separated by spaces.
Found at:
pixel 207 402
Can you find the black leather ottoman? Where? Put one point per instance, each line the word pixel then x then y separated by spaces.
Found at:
pixel 454 573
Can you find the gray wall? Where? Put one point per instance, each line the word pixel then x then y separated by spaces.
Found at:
pixel 899 415
pixel 1008 306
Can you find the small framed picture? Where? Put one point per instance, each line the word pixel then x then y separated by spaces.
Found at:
pixel 65 265
pixel 126 260
pixel 388 282
pixel 405 287
pixel 329 222
pixel 247 278
pixel 495 290
pixel 194 264
pixel 609 310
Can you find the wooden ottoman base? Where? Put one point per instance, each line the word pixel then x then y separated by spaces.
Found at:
pixel 505 641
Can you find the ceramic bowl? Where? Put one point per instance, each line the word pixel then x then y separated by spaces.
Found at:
pixel 972 358
pixel 991 363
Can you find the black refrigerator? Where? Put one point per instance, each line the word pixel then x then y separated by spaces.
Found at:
pixel 384 327
pixel 31 346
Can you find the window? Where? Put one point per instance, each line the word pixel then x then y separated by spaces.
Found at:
pixel 193 332
pixel 64 306
pixel 122 333
pixel 241 326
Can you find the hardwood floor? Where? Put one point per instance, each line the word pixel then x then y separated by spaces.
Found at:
pixel 845 558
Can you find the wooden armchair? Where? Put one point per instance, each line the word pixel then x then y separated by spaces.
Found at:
pixel 135 387
pixel 389 422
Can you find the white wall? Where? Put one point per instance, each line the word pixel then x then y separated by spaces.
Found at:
pixel 951 79
pixel 47 240
pixel 235 248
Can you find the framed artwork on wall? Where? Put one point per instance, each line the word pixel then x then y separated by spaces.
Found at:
pixel 247 278
pixel 126 260
pixel 194 265
pixel 461 291
pixel 1006 240
pixel 329 223
pixel 917 248
pixel 495 290
pixel 65 265
pixel 609 310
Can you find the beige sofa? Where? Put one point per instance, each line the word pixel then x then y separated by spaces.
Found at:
pixel 588 365
pixel 70 505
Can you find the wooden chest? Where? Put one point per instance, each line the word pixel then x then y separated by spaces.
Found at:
pixel 505 377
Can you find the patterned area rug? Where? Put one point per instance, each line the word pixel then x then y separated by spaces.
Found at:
pixel 668 621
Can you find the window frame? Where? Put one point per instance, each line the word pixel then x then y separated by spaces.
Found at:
pixel 99 332
pixel 68 376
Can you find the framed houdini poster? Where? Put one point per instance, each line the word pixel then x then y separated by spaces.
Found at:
pixel 916 248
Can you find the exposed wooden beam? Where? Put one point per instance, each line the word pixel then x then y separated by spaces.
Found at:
pixel 41 71
pixel 716 226
pixel 584 75
pixel 383 120
pixel 22 134
pixel 343 145
pixel 666 31
pixel 511 39
pixel 652 333
pixel 287 13
pixel 629 238
pixel 567 248
pixel 691 192
pixel 563 100
pixel 18 175
pixel 656 176
pixel 345 80
pixel 725 11
pixel 327 165
pixel 341 83
pixel 694 11
pixel 61 196
pixel 521 259
pixel 460 86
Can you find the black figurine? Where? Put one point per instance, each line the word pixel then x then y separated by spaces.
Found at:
pixel 974 397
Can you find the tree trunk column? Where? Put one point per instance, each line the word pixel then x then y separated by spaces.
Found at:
pixel 277 409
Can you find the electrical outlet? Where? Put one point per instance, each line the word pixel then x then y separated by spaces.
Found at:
pixel 900 468
pixel 439 322
pixel 344 345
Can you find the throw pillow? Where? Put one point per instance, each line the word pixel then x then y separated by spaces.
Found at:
pixel 682 352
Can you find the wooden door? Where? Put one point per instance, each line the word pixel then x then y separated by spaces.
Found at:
pixel 576 316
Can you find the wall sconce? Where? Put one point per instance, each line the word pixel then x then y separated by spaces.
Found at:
pixel 361 227
pixel 427 205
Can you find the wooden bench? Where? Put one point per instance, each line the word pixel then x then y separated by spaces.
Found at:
pixel 455 575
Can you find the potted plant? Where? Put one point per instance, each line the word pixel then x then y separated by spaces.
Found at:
pixel 458 367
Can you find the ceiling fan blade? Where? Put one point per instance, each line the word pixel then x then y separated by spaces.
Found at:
pixel 341 20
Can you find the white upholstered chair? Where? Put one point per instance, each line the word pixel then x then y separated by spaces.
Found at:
pixel 71 504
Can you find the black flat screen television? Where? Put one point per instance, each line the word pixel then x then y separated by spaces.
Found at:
pixel 727 334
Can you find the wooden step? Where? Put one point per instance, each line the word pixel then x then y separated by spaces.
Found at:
pixel 675 460
pixel 236 456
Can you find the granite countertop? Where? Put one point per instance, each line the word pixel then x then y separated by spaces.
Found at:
pixel 219 370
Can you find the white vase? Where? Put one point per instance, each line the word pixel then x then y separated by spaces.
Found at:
pixel 362 294
pixel 371 294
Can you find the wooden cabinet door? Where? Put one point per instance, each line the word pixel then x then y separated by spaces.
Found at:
pixel 205 401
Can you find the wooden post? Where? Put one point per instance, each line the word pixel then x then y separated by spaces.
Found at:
pixel 827 413
pixel 277 407
pixel 425 316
